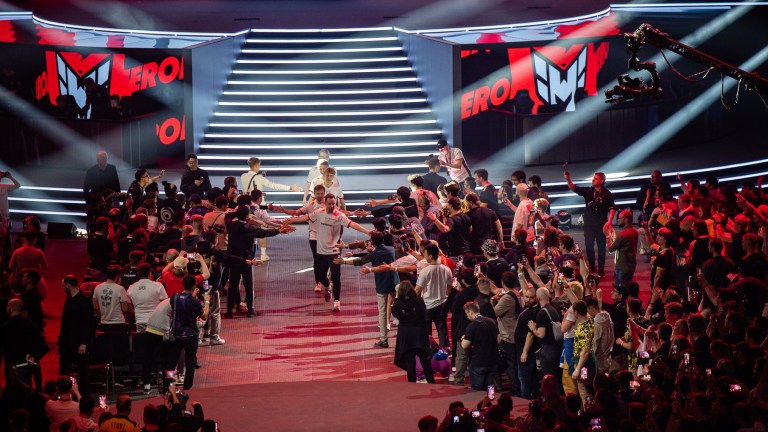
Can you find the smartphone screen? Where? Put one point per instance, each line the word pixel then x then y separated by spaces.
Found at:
pixel 491 392
pixel 584 373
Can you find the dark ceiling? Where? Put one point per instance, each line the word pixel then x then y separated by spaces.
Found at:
pixel 233 15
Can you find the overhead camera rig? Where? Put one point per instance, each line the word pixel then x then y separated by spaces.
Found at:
pixel 630 88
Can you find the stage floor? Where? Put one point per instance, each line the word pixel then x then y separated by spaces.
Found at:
pixel 297 360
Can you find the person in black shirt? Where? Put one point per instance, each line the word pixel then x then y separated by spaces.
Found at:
pixel 401 198
pixel 527 345
pixel 76 334
pixel 459 321
pixel 22 343
pixel 482 336
pixel 195 180
pixel 551 348
pixel 433 180
pixel 101 177
pixel 488 196
pixel 239 255
pixel 458 227
pixel 33 301
pixel 186 309
pixel 753 264
pixel 599 212
pixel 495 266
pixel 485 224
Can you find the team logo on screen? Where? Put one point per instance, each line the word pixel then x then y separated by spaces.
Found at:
pixel 553 76
pixel 66 72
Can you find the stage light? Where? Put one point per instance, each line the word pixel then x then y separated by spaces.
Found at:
pixel 310 41
pixel 327 82
pixel 323 135
pixel 323 61
pixel 324 124
pixel 320 113
pixel 314 157
pixel 248 146
pixel 329 102
pixel 319 71
pixel 319 50
pixel 320 92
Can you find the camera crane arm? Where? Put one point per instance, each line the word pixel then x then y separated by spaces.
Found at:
pixel 647 34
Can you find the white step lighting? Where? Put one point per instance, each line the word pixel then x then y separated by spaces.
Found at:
pixel 322 135
pixel 320 92
pixel 244 158
pixel 324 61
pixel 338 168
pixel 327 82
pixel 319 50
pixel 324 124
pixel 320 113
pixel 327 103
pixel 319 71
pixel 327 30
pixel 309 41
pixel 315 146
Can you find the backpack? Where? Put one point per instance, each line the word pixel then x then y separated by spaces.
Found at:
pixel 557 332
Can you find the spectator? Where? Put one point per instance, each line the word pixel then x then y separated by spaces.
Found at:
pixel 76 333
pixel 481 335
pixel 121 422
pixel 65 407
pixel 507 308
pixel 542 328
pixel 412 340
pixel 187 310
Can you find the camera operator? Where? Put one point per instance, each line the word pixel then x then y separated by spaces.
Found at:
pixel 184 264
pixel 186 310
pixel 177 405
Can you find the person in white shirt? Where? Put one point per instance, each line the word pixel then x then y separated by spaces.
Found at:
pixel 453 160
pixel 262 218
pixel 332 185
pixel 145 295
pixel 322 156
pixel 110 300
pixel 433 285
pixel 329 223
pixel 316 203
pixel 255 179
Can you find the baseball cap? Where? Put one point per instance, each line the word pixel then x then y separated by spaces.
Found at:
pixel 441 143
pixel 180 263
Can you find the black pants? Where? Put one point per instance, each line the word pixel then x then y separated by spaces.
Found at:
pixel 68 356
pixel 189 345
pixel 313 247
pixel 436 315
pixel 154 348
pixel 236 271
pixel 550 363
pixel 426 365
pixel 323 263
pixel 510 368
pixel 594 233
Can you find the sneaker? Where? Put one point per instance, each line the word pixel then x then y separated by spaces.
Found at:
pixel 217 341
pixel 318 287
pixel 381 344
pixel 201 342
pixel 327 294
pixel 251 314
pixel 147 389
pixel 421 381
pixel 336 306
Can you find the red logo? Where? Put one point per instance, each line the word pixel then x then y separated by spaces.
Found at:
pixel 550 75
pixel 65 72
pixel 172 130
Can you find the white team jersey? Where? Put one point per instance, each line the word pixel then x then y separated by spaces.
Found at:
pixel 329 228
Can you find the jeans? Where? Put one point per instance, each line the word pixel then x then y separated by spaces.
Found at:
pixel 567 355
pixel 622 277
pixel 594 233
pixel 529 377
pixel 239 270
pixel 154 348
pixel 436 315
pixel 322 264
pixel 481 377
pixel 550 363
pixel 510 350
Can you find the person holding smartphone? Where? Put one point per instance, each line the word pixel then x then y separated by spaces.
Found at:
pixel 195 180
pixel 583 364
pixel 186 310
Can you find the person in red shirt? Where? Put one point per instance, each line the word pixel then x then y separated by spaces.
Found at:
pixel 174 272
